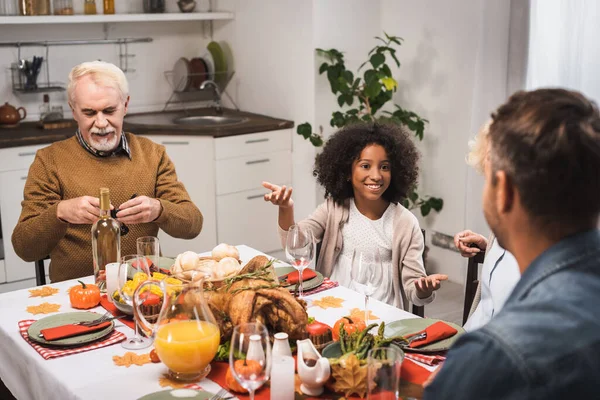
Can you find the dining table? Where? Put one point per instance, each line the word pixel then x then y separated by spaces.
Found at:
pixel 94 375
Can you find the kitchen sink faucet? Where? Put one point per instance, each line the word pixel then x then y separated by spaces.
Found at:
pixel 217 99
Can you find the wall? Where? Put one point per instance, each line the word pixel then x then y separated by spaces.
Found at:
pixel 273 45
pixel 171 41
pixel 448 63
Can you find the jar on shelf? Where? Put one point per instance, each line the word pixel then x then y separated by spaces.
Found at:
pixel 34 7
pixel 108 6
pixel 63 7
pixel 89 7
pixel 154 6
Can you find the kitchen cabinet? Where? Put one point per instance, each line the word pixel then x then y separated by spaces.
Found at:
pixel 193 157
pixel 14 166
pixel 242 163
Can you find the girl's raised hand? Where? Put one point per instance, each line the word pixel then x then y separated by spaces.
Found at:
pixel 428 284
pixel 280 195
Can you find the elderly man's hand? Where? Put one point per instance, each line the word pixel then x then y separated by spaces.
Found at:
pixel 139 210
pixel 80 210
pixel 465 239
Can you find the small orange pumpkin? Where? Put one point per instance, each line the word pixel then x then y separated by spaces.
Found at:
pixel 356 325
pixel 84 296
pixel 244 368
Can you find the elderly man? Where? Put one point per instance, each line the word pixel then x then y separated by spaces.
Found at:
pixel 542 201
pixel 61 192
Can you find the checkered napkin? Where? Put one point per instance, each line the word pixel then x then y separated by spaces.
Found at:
pixel 326 285
pixel 53 352
pixel 425 358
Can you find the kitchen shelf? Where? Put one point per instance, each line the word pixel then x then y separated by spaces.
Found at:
pixel 101 18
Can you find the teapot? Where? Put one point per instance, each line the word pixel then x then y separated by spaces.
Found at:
pixel 186 334
pixel 11 116
pixel 313 369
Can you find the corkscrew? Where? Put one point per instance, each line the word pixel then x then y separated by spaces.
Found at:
pixel 113 213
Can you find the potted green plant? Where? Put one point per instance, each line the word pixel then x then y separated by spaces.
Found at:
pixel 362 98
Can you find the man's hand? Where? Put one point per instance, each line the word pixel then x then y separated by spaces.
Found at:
pixel 280 195
pixel 139 210
pixel 79 210
pixel 463 239
pixel 427 285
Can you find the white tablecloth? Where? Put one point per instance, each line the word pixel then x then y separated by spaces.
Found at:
pixel 93 375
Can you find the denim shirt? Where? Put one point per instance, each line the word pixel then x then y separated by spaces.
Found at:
pixel 544 343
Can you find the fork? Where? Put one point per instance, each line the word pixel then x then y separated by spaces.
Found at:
pixel 220 395
pixel 419 336
pixel 106 317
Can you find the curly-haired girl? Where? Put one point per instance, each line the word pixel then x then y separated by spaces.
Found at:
pixel 366 170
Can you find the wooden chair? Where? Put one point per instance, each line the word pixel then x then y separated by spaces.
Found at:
pixel 420 310
pixel 472 282
pixel 40 272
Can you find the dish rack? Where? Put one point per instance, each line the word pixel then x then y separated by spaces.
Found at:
pixel 186 91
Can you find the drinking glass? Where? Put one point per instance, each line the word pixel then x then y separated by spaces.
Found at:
pixel 250 356
pixel 366 274
pixel 149 246
pixel 130 265
pixel 300 251
pixel 383 373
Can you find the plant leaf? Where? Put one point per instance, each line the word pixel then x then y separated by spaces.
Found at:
pixel 377 59
pixel 304 129
pixel 323 68
pixel 389 83
pixel 425 209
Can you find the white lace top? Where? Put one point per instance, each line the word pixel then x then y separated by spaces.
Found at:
pixel 363 232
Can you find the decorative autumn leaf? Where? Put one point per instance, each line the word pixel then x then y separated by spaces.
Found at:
pixel 357 313
pixel 130 358
pixel 328 302
pixel 350 377
pixel 43 292
pixel 44 308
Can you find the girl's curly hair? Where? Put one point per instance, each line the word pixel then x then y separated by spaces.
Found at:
pixel 333 166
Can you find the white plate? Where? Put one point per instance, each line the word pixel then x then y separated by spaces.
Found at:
pixel 181 70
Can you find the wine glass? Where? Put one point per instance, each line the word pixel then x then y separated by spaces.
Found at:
pixel 149 247
pixel 250 356
pixel 366 274
pixel 300 251
pixel 127 282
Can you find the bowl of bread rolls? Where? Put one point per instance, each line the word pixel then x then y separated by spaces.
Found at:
pixel 223 263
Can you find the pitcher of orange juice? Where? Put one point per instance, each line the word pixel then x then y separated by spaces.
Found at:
pixel 186 335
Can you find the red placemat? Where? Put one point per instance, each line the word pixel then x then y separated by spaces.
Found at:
pixel 53 352
pixel 429 359
pixel 110 307
pixel 411 372
pixel 327 284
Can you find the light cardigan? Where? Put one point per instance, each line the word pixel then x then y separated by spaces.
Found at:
pixel 407 247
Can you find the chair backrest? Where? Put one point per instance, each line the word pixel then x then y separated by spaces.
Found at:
pixel 420 310
pixel 40 272
pixel 472 282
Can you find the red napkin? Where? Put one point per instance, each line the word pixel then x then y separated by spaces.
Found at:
pixel 70 330
pixel 293 277
pixel 435 332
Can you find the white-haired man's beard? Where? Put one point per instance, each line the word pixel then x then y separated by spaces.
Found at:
pixel 105 139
